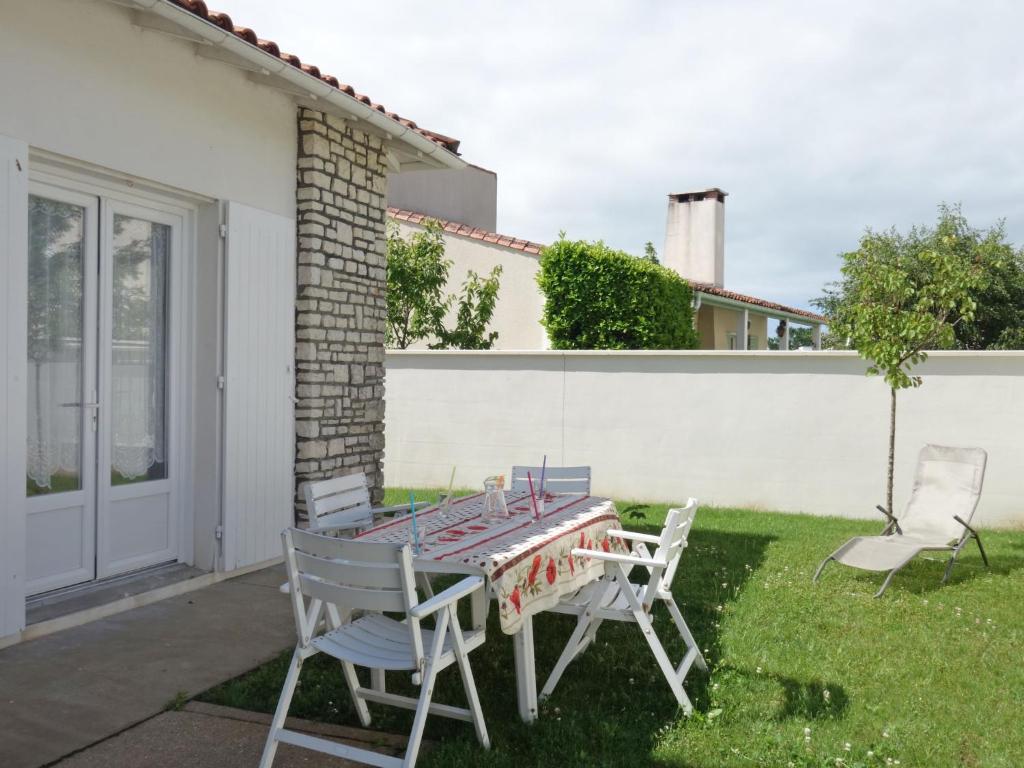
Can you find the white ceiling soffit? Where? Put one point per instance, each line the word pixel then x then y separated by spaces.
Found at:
pixel 406 148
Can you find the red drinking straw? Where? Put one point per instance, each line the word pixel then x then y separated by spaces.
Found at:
pixel 533 499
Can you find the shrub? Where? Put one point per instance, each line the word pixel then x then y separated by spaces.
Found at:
pixel 599 298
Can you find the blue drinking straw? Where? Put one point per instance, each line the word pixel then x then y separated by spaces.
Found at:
pixel 543 468
pixel 415 530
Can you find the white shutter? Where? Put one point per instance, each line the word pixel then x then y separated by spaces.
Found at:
pixel 13 366
pixel 259 356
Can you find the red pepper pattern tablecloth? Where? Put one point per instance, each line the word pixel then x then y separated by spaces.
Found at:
pixel 529 564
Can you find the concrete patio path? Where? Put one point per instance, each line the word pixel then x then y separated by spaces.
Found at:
pixel 66 691
pixel 209 736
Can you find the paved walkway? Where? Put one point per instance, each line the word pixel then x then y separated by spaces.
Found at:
pixel 208 736
pixel 66 691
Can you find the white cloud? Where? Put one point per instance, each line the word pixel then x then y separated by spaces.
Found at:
pixel 819 118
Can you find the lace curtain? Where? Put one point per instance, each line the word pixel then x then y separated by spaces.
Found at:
pixel 55 322
pixel 138 349
pixel 139 355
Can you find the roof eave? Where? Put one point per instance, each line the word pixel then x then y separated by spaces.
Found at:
pixel 415 146
pixel 780 312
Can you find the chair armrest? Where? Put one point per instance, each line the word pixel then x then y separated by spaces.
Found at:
pixel 634 536
pixel 893 522
pixel 398 508
pixel 611 557
pixel 449 596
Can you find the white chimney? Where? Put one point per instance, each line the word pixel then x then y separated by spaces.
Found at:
pixel 695 236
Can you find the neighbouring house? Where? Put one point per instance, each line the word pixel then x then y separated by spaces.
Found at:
pixel 694 247
pixel 192 289
pixel 465 203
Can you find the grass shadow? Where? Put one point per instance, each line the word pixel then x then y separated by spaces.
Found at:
pixel 923 575
pixel 813 700
pixel 635 703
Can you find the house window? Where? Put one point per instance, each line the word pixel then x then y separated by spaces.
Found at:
pixel 731 340
pixel 752 342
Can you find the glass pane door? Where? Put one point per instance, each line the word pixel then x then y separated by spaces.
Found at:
pixel 137 521
pixel 62 400
pixel 100 467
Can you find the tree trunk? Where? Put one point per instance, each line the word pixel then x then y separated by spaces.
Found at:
pixel 892 450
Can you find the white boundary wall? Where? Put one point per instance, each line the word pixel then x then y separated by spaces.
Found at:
pixel 800 432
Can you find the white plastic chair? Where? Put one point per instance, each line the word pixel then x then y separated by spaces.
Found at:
pixel 614 597
pixel 343 504
pixel 556 479
pixel 333 581
pixel 937 518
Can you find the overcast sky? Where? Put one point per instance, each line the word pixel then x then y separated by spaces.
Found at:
pixel 818 119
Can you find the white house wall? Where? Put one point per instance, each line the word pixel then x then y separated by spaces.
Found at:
pixel 80 80
pixel 801 432
pixel 85 90
pixel 520 302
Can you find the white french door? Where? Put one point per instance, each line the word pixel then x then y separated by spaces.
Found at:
pixel 101 377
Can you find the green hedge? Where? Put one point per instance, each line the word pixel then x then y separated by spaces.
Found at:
pixel 599 298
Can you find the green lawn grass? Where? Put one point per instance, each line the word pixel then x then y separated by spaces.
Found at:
pixel 802 674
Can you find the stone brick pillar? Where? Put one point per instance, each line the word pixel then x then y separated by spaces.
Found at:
pixel 340 306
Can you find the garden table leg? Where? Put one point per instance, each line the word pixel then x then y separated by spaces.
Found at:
pixel 526 673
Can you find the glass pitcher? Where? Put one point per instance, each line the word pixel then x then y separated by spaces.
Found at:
pixel 494 498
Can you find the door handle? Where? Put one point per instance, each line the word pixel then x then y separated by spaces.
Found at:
pixel 79 405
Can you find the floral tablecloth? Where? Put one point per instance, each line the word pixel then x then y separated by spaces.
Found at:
pixel 528 563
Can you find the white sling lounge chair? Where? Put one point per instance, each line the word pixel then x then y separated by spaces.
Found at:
pixel 937 517
pixel 614 597
pixel 349 585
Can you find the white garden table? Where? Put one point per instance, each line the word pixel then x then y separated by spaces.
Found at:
pixel 528 564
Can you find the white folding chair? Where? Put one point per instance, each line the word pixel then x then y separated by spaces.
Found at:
pixel 333 581
pixel 937 518
pixel 614 597
pixel 343 504
pixel 556 479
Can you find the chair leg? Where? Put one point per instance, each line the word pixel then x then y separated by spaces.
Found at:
pixel 984 557
pixel 661 657
pixel 349 673
pixel 572 649
pixel 468 683
pixel 426 692
pixel 949 566
pixel 283 703
pixel 688 639
pixel 817 573
pixel 377 680
pixel 423 582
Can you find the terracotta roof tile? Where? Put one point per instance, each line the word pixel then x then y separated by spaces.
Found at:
pixel 222 20
pixel 464 230
pixel 725 294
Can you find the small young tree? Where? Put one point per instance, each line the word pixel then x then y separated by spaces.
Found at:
pixel 417 274
pixel 474 309
pixel 904 295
